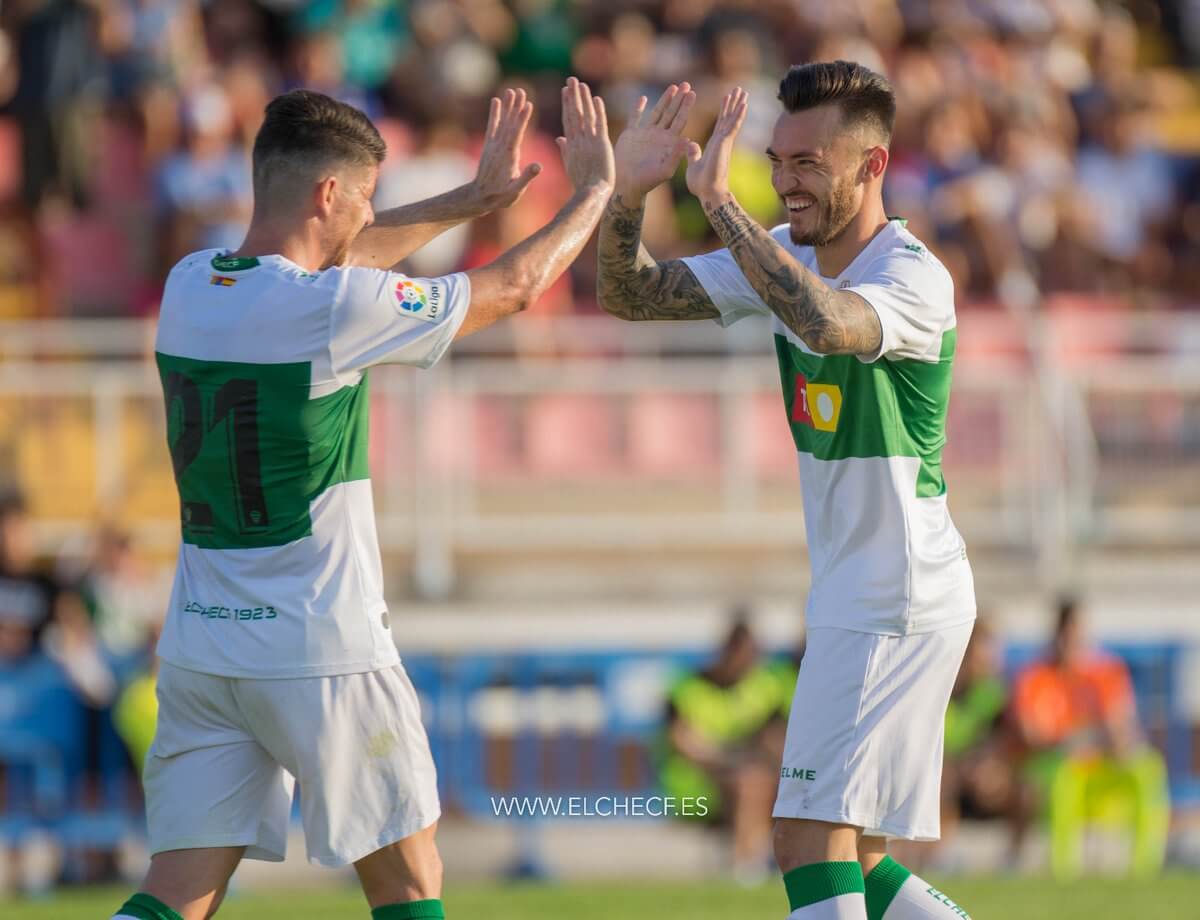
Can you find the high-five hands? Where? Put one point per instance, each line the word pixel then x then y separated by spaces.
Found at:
pixel 499 181
pixel 652 144
pixel 586 150
pixel 708 170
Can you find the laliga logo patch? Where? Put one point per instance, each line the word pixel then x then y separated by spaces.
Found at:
pixel 420 301
pixel 411 296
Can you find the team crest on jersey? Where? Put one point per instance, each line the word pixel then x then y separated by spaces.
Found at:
pixel 818 405
pixel 418 300
pixel 222 281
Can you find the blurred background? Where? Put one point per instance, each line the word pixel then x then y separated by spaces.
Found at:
pixel 591 531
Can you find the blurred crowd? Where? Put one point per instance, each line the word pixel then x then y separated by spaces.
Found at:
pixel 1051 737
pixel 1041 145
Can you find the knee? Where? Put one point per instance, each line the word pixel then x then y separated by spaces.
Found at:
pixel 801 843
pixel 410 870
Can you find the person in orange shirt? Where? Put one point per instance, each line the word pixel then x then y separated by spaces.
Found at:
pixel 1087 757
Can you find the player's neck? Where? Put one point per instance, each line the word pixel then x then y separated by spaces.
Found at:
pixel 266 239
pixel 835 257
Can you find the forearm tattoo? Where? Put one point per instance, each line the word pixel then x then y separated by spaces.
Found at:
pixel 827 321
pixel 632 286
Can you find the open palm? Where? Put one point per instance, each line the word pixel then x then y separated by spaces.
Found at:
pixel 500 181
pixel 652 144
pixel 708 170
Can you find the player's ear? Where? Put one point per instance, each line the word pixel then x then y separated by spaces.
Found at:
pixel 325 194
pixel 876 163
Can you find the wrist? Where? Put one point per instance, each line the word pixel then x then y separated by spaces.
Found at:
pixel 597 189
pixel 715 198
pixel 633 197
pixel 475 200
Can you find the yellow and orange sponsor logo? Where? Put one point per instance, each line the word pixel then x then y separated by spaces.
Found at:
pixel 818 405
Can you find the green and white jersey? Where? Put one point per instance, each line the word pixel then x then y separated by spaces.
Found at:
pixel 869 430
pixel 263 368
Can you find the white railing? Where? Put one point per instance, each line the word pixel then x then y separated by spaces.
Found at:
pixel 491 454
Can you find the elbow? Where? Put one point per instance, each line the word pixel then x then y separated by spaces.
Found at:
pixel 611 303
pixel 524 288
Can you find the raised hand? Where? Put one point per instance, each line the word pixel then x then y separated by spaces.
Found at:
pixel 499 181
pixel 586 150
pixel 708 170
pixel 652 144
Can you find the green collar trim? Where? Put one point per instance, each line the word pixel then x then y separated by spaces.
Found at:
pixel 902 221
pixel 231 264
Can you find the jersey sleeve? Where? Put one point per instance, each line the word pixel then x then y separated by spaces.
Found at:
pixel 726 286
pixel 382 317
pixel 913 295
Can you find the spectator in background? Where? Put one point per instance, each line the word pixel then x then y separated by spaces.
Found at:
pixel 1086 754
pixel 28 594
pixel 725 727
pixel 204 198
pixel 978 778
pixel 152 47
pixel 437 163
pixel 125 599
pixel 1128 189
pixel 59 92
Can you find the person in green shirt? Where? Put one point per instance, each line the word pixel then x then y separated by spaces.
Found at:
pixel 724 742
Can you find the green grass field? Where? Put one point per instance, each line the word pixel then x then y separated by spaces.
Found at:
pixel 1176 897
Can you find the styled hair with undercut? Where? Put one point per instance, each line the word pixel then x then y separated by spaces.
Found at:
pixel 304 130
pixel 866 98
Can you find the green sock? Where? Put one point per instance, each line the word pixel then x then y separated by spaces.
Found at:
pixel 429 909
pixel 821 881
pixel 147 907
pixel 882 884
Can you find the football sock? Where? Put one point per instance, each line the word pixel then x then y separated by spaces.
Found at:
pixel 894 893
pixel 826 891
pixel 429 909
pixel 145 907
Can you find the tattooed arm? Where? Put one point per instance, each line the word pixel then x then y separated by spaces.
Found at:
pixel 827 321
pixel 631 285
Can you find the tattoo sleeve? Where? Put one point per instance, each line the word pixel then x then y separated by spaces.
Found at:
pixel 631 285
pixel 829 322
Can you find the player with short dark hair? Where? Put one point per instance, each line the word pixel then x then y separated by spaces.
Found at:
pixel 864 331
pixel 278 662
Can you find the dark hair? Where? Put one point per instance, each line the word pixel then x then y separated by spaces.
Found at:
pixel 865 97
pixel 1066 613
pixel 320 130
pixel 12 503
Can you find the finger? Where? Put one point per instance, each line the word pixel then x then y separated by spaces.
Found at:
pixel 562 145
pixel 679 121
pixel 672 108
pixel 588 107
pixel 510 98
pixel 531 172
pixel 522 122
pixel 518 102
pixel 493 122
pixel 576 105
pixel 601 118
pixel 639 110
pixel 661 106
pixel 568 108
pixel 694 152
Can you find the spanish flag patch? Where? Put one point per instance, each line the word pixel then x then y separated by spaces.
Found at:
pixel 222 281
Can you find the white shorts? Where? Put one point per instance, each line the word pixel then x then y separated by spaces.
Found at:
pixel 228 751
pixel 864 739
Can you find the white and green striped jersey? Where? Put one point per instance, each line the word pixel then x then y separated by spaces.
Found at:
pixel 869 431
pixel 264 373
